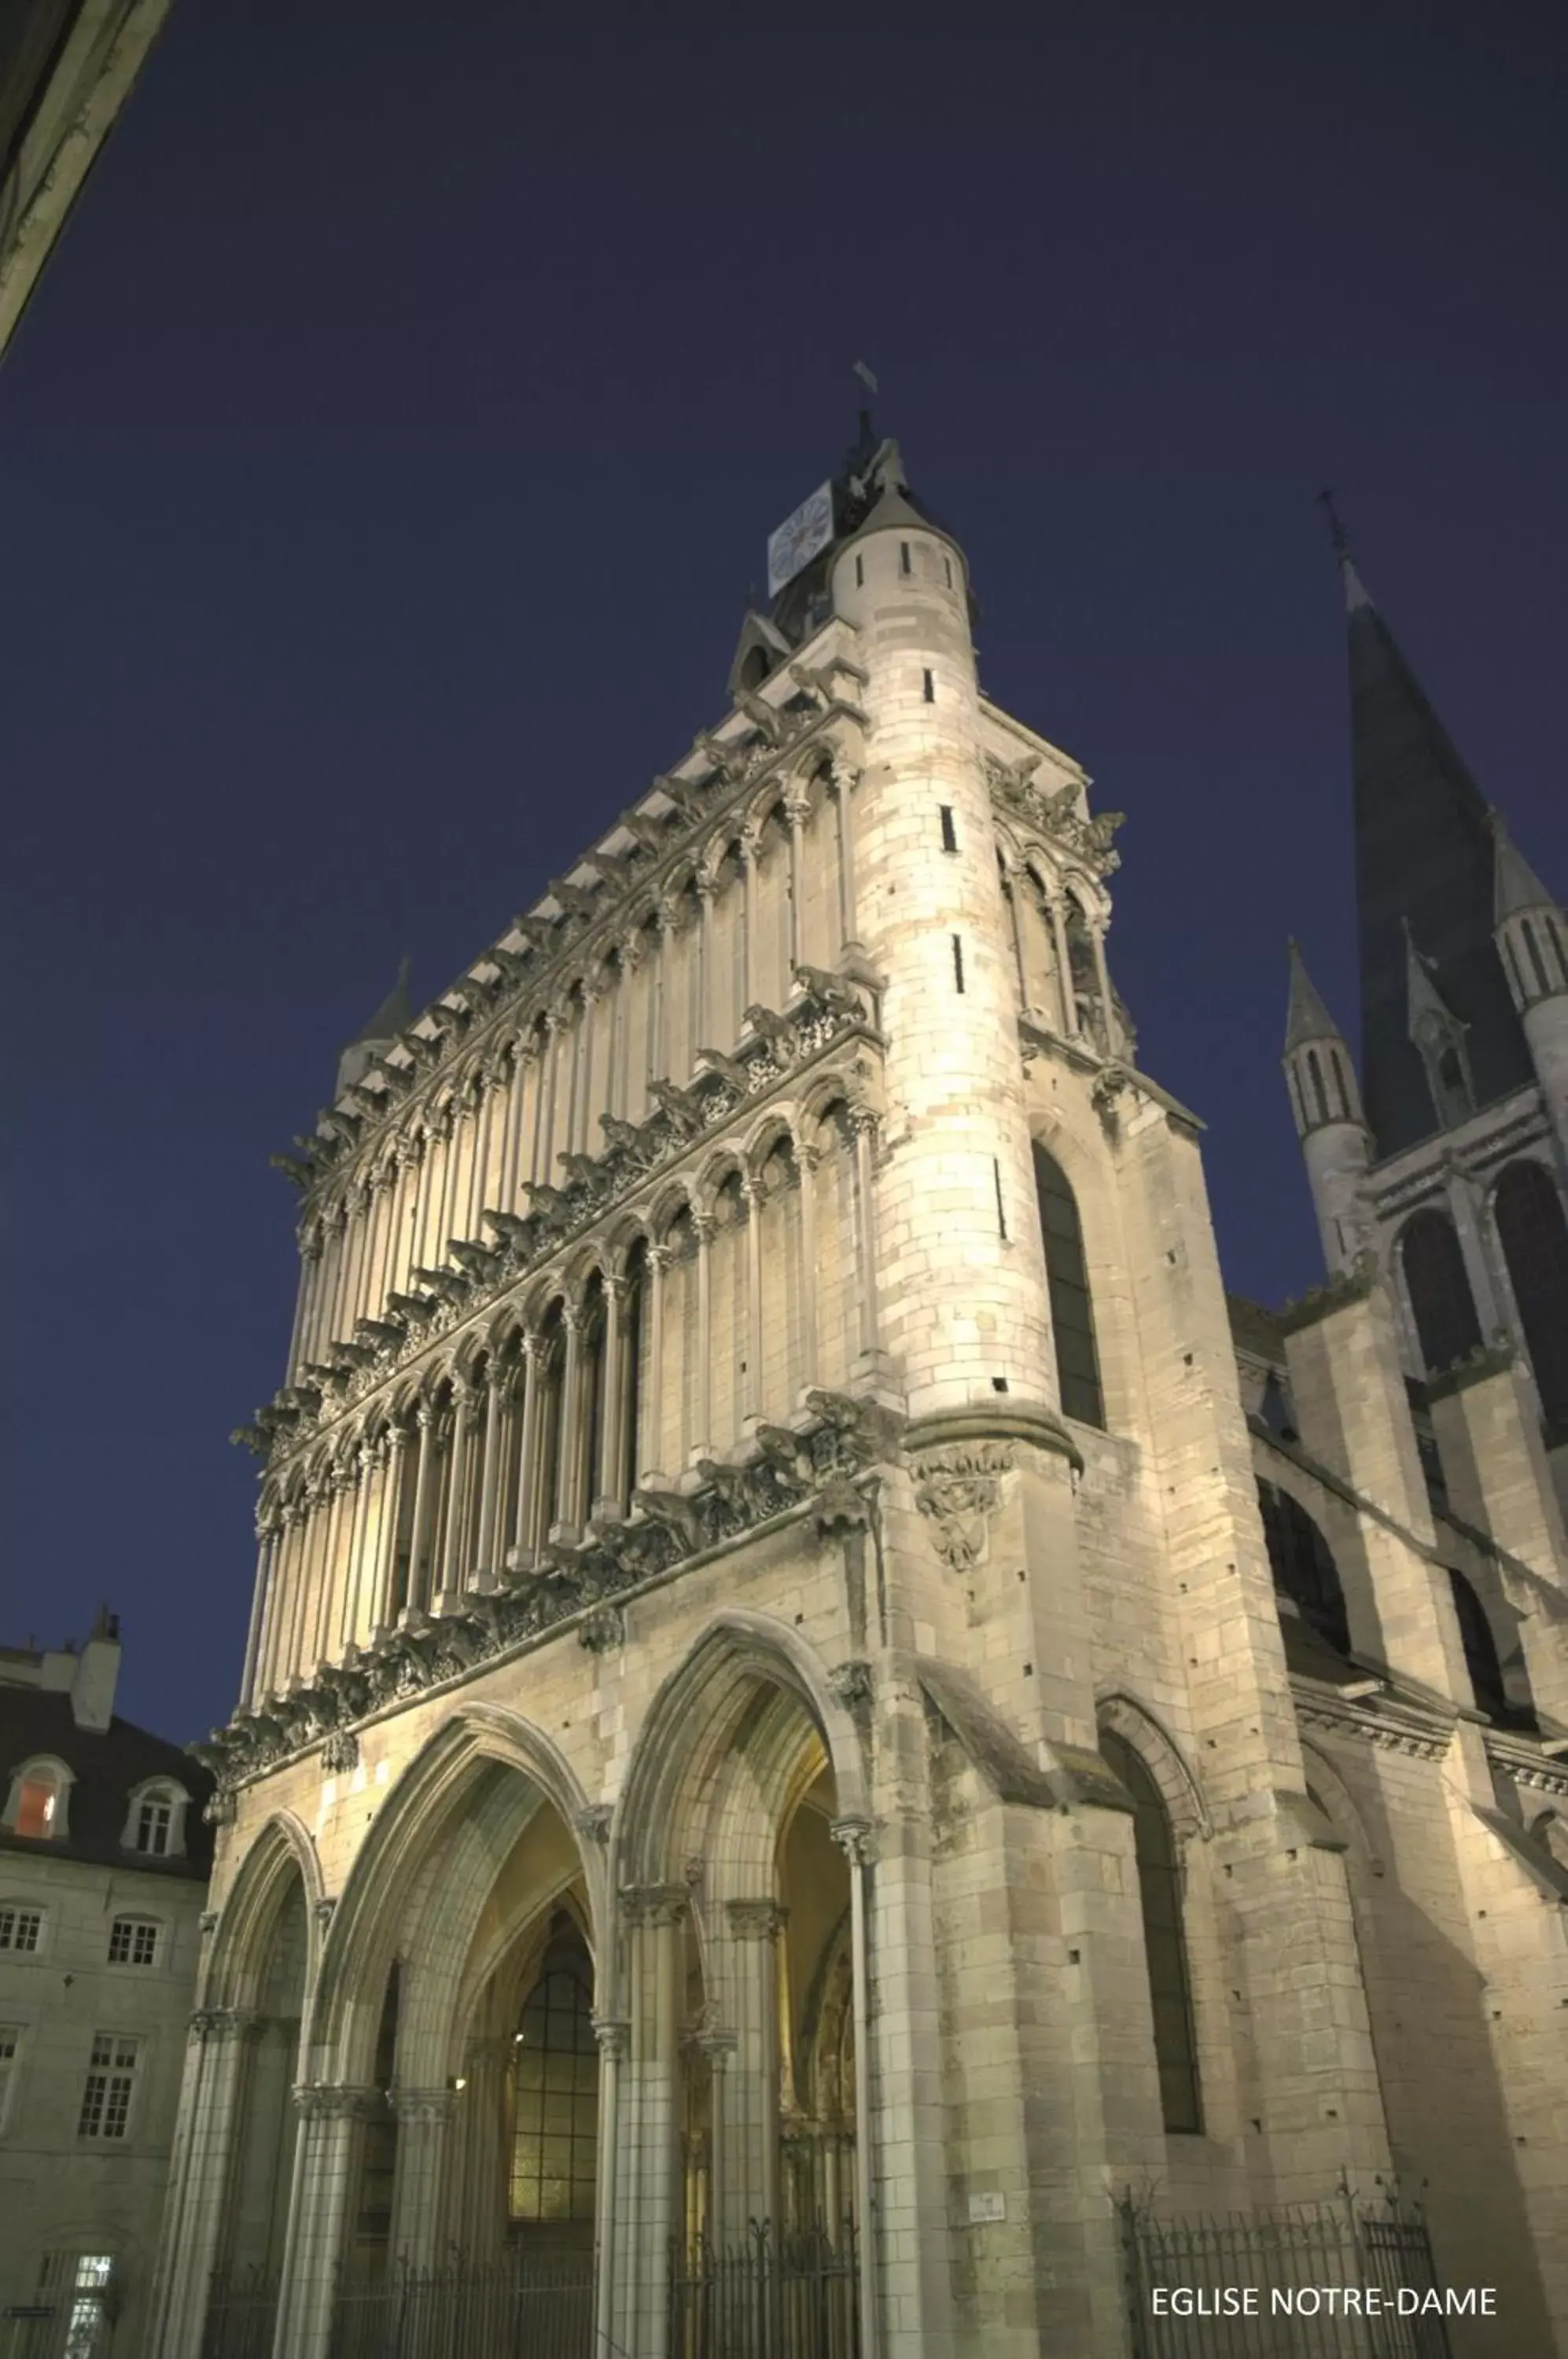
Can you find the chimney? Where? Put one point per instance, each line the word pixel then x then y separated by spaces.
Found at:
pixel 97 1673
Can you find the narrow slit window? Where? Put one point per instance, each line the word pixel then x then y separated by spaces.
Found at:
pixel 928 681
pixel 947 570
pixel 905 564
pixel 1001 1208
pixel 949 840
pixel 957 963
pixel 860 573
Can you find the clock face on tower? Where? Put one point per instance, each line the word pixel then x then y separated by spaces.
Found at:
pixel 798 539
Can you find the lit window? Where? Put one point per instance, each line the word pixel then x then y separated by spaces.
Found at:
pixel 132 1942
pixel 557 2090
pixel 106 2099
pixel 38 1805
pixel 79 2282
pixel 21 1929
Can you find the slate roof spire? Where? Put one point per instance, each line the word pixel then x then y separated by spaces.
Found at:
pixel 1306 1017
pixel 1424 852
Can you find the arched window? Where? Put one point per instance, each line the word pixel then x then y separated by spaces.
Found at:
pixel 554 2155
pixel 1439 1287
pixel 1164 1945
pixel 1303 1565
pixel 38 1804
pixel 155 1824
pixel 1534 1238
pixel 634 1315
pixel 549 1416
pixel 1072 1313
pixel 1482 1660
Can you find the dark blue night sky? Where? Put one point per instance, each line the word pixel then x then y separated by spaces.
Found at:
pixel 387 457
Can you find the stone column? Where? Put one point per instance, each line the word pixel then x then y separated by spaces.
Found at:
pixel 658 1266
pixel 260 1612
pixel 748 853
pixel 647 2214
pixel 750 2089
pixel 751 1394
pixel 475 2210
pixel 527 1450
pixel 614 2037
pixel 795 808
pixel 701 1442
pixel 853 1837
pixel 706 890
pixel 424 2122
pixel 201 2172
pixel 486 1552
pixel 806 1160
pixel 863 1123
pixel 656 1048
pixel 383 1612
pixel 463 1400
pixel 604 1480
pixel 568 1446
pixel 1064 991
pixel 424 1503
pixel 326 2155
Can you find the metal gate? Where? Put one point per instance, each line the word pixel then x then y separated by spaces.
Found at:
pixel 1272 2285
pixel 523 2306
pixel 794 2296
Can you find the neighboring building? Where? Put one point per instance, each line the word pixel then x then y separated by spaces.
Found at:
pixel 808 1669
pixel 67 68
pixel 1448 1159
pixel 103 1865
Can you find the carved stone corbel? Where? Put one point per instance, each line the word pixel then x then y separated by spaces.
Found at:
pixel 959 1490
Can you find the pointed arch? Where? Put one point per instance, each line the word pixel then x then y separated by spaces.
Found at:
pixel 236 1958
pixel 1438 1286
pixel 1080 1390
pixel 690 1722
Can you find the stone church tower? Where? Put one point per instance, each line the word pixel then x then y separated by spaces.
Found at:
pixel 819 1707
pixel 1450 1160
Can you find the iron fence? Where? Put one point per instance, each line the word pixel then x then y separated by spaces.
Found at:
pixel 1273 2285
pixel 769 2296
pixel 242 2315
pixel 521 2306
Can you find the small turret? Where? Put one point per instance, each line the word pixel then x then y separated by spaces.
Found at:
pixel 1439 1036
pixel 1533 942
pixel 1326 1103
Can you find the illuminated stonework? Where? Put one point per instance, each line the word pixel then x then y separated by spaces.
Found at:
pixel 686 1610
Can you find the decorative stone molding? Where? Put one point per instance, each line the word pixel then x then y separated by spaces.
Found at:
pixel 1056 816
pixel 602 1630
pixel 959 1490
pixel 1356 1283
pixel 614 2035
pixel 340 1751
pixel 218 1810
pixel 1389 1722
pixel 225 2023
pixel 756 1920
pixel 593 1824
pixel 322 1911
pixel 823 1010
pixel 317 2101
pixel 207 1923
pixel 652 1906
pixel 822 1458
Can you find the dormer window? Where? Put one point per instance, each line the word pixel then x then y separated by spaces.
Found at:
pixel 38 1805
pixel 155 1825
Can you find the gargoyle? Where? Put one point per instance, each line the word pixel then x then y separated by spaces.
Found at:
pixel 684 1107
pixel 675 1511
pixel 769 1025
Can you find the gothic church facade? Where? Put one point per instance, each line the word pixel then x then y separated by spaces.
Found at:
pixel 815 1690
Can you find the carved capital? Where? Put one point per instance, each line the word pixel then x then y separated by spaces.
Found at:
pixel 227 2023
pixel 316 2101
pixel 756 1920
pixel 594 1823
pixel 959 1490
pixel 429 2107
pixel 654 1905
pixel 614 2036
pixel 851 1682
pixel 853 1837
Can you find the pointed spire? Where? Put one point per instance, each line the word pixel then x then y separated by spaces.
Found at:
pixel 1424 849
pixel 1518 887
pixel 1306 1016
pixel 1355 590
pixel 1422 996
